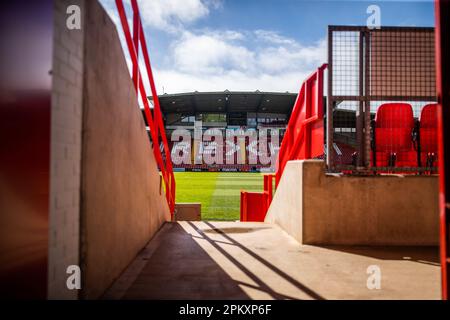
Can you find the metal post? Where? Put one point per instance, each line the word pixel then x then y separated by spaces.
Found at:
pixel 367 99
pixel 360 115
pixel 330 103
pixel 307 137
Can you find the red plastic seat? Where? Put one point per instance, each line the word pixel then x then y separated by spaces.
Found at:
pixel 428 135
pixel 394 124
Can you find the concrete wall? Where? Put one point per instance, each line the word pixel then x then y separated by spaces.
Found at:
pixel 66 118
pixel 122 204
pixel 188 212
pixel 286 208
pixel 328 210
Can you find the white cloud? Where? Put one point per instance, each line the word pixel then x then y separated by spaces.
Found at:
pixel 167 15
pixel 210 53
pixel 273 37
pixel 292 56
pixel 175 81
pixel 170 15
pixel 219 60
pixel 215 60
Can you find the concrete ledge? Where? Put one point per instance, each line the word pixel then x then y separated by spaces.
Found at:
pixel 330 210
pixel 188 212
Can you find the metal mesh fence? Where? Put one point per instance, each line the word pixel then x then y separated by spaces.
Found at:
pixel 381 100
pixel 402 64
pixel 345 55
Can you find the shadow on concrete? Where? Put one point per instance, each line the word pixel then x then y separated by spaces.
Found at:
pixel 421 254
pixel 261 285
pixel 231 230
pixel 190 260
pixel 180 269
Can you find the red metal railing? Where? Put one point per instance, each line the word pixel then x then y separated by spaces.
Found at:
pixel 154 120
pixel 304 139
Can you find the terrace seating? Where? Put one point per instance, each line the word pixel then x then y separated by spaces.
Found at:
pixel 393 143
pixel 428 136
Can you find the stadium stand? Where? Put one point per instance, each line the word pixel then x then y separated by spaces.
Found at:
pixel 221 113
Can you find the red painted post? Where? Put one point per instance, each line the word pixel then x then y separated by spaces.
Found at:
pixel 270 188
pixel 266 191
pixel 442 49
pixel 136 31
pixel 243 213
pixel 306 154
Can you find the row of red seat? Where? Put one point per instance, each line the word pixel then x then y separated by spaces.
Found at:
pixel 399 141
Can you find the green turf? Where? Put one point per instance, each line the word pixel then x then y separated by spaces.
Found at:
pixel 218 192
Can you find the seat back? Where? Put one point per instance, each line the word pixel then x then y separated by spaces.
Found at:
pixel 394 123
pixel 428 129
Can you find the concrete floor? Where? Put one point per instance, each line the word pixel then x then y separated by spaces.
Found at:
pixel 234 260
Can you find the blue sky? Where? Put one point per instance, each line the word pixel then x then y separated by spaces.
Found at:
pixel 213 45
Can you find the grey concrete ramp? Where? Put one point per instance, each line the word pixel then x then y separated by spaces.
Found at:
pixel 235 260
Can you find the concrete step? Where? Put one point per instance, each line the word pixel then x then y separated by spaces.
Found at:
pixel 253 260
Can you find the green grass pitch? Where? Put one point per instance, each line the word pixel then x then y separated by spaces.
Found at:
pixel 218 192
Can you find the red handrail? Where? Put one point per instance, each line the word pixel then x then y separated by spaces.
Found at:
pixel 304 134
pixel 304 139
pixel 155 120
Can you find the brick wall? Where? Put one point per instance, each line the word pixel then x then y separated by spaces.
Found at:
pixel 66 124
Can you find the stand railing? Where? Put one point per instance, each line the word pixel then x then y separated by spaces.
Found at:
pixel 304 139
pixel 155 119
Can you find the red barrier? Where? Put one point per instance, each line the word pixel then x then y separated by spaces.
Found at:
pixel 155 120
pixel 304 137
pixel 254 205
